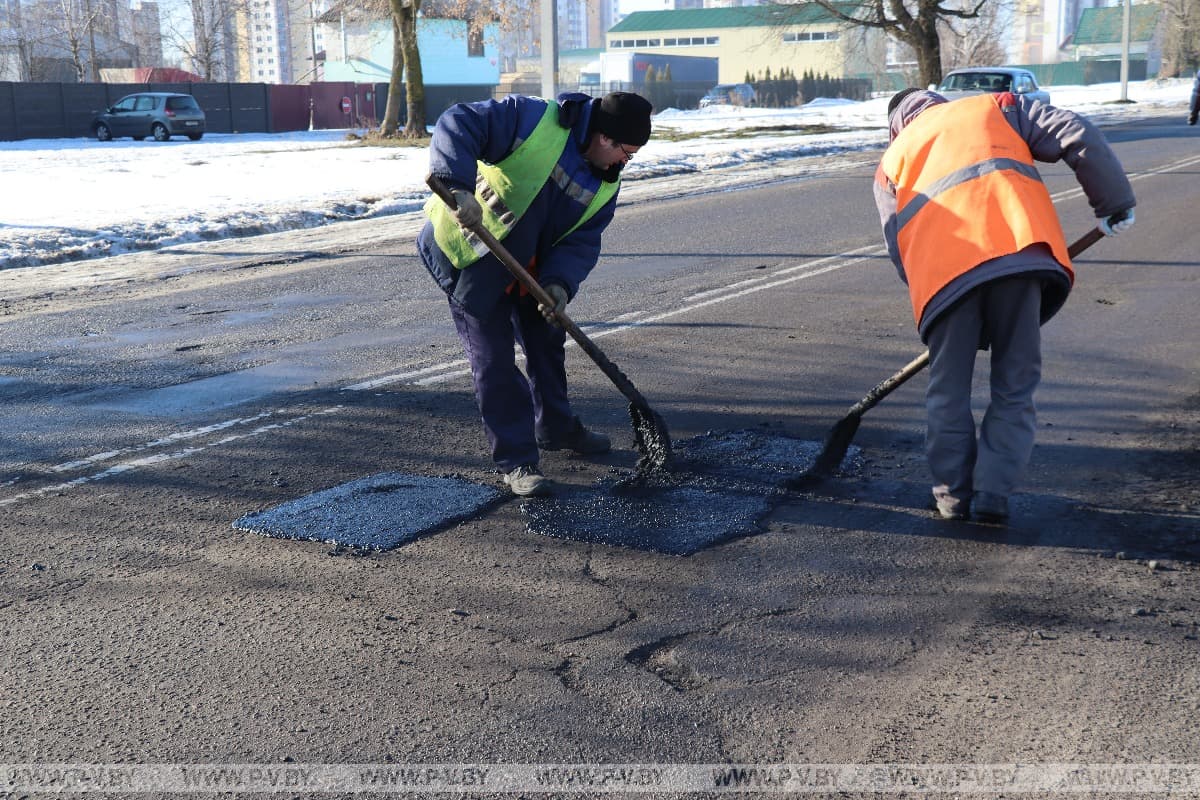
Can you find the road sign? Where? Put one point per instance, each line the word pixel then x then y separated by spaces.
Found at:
pixel 345 105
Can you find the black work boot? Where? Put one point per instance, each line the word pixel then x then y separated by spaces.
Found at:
pixel 578 440
pixel 990 507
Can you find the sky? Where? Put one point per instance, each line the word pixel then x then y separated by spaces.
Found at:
pixel 69 200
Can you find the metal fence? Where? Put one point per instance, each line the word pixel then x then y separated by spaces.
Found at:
pixel 65 110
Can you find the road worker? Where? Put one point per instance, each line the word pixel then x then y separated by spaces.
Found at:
pixel 1194 108
pixel 542 176
pixel 973 232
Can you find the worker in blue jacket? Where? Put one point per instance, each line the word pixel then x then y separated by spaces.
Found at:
pixel 1194 108
pixel 543 177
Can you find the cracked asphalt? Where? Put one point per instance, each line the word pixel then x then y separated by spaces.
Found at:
pixel 138 626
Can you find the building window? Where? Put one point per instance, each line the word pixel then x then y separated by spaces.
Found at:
pixel 474 42
pixel 669 42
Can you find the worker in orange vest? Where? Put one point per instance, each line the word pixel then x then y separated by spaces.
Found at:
pixel 973 232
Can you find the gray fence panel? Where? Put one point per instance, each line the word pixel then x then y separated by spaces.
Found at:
pixel 214 99
pixel 249 109
pixel 8 112
pixel 81 101
pixel 39 110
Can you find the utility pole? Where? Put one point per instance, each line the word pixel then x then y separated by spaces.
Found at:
pixel 312 38
pixel 1125 26
pixel 549 49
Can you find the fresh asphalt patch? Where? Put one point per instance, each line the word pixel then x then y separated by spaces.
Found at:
pixel 721 487
pixel 378 512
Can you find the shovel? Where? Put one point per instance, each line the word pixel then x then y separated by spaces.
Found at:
pixel 650 434
pixel 840 436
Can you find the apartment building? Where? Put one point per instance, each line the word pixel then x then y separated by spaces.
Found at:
pixel 280 42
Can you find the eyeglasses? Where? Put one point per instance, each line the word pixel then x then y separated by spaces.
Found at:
pixel 628 155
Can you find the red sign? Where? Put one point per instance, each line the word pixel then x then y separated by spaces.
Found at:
pixel 345 105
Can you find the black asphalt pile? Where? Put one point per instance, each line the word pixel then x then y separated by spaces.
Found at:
pixel 378 512
pixel 720 487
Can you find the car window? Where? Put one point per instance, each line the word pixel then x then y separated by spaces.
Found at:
pixel 185 103
pixel 124 104
pixel 145 104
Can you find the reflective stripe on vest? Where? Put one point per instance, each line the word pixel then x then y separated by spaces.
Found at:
pixel 967 191
pixel 506 190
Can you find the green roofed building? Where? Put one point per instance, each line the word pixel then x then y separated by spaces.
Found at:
pixel 751 39
pixel 1098 35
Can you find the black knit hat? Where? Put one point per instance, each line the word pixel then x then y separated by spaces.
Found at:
pixel 623 117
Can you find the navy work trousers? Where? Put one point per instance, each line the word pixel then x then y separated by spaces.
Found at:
pixel 516 411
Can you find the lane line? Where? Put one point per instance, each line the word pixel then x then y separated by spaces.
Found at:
pixel 452 370
pixel 722 295
pixel 171 439
pixel 159 458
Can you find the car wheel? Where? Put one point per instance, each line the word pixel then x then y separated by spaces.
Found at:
pixel 195 137
pixel 160 132
pixel 103 132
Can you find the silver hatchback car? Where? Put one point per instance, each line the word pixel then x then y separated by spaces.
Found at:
pixel 978 80
pixel 157 114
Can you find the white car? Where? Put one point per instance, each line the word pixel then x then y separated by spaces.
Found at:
pixel 978 80
pixel 724 94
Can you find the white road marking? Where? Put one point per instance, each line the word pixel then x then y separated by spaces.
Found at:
pixel 159 458
pixel 714 296
pixel 451 370
pixel 173 438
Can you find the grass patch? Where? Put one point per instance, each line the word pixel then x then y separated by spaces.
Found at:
pixel 673 135
pixel 374 138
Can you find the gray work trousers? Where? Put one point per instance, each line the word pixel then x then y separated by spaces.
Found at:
pixel 1004 312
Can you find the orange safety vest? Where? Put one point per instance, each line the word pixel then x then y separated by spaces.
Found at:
pixel 967 191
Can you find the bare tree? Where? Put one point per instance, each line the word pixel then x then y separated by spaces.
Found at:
pixel 22 34
pixel 207 35
pixel 1181 40
pixel 916 23
pixel 69 27
pixel 978 41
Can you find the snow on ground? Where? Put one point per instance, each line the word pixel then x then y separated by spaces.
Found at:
pixel 72 199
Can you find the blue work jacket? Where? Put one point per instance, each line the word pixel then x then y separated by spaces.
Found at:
pixel 489 131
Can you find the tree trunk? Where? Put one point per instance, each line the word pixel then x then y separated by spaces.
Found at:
pixel 414 80
pixel 391 112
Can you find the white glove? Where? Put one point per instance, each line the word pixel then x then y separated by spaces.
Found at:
pixel 559 294
pixel 468 213
pixel 1121 221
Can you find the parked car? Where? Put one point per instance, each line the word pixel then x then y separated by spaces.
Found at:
pixel 158 114
pixel 725 94
pixel 977 80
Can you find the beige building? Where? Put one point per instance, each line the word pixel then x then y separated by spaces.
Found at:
pixel 752 39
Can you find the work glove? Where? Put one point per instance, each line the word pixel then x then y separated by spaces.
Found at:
pixel 558 293
pixel 468 213
pixel 1121 221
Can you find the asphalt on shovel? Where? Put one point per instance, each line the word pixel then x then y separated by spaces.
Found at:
pixel 839 438
pixel 650 434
